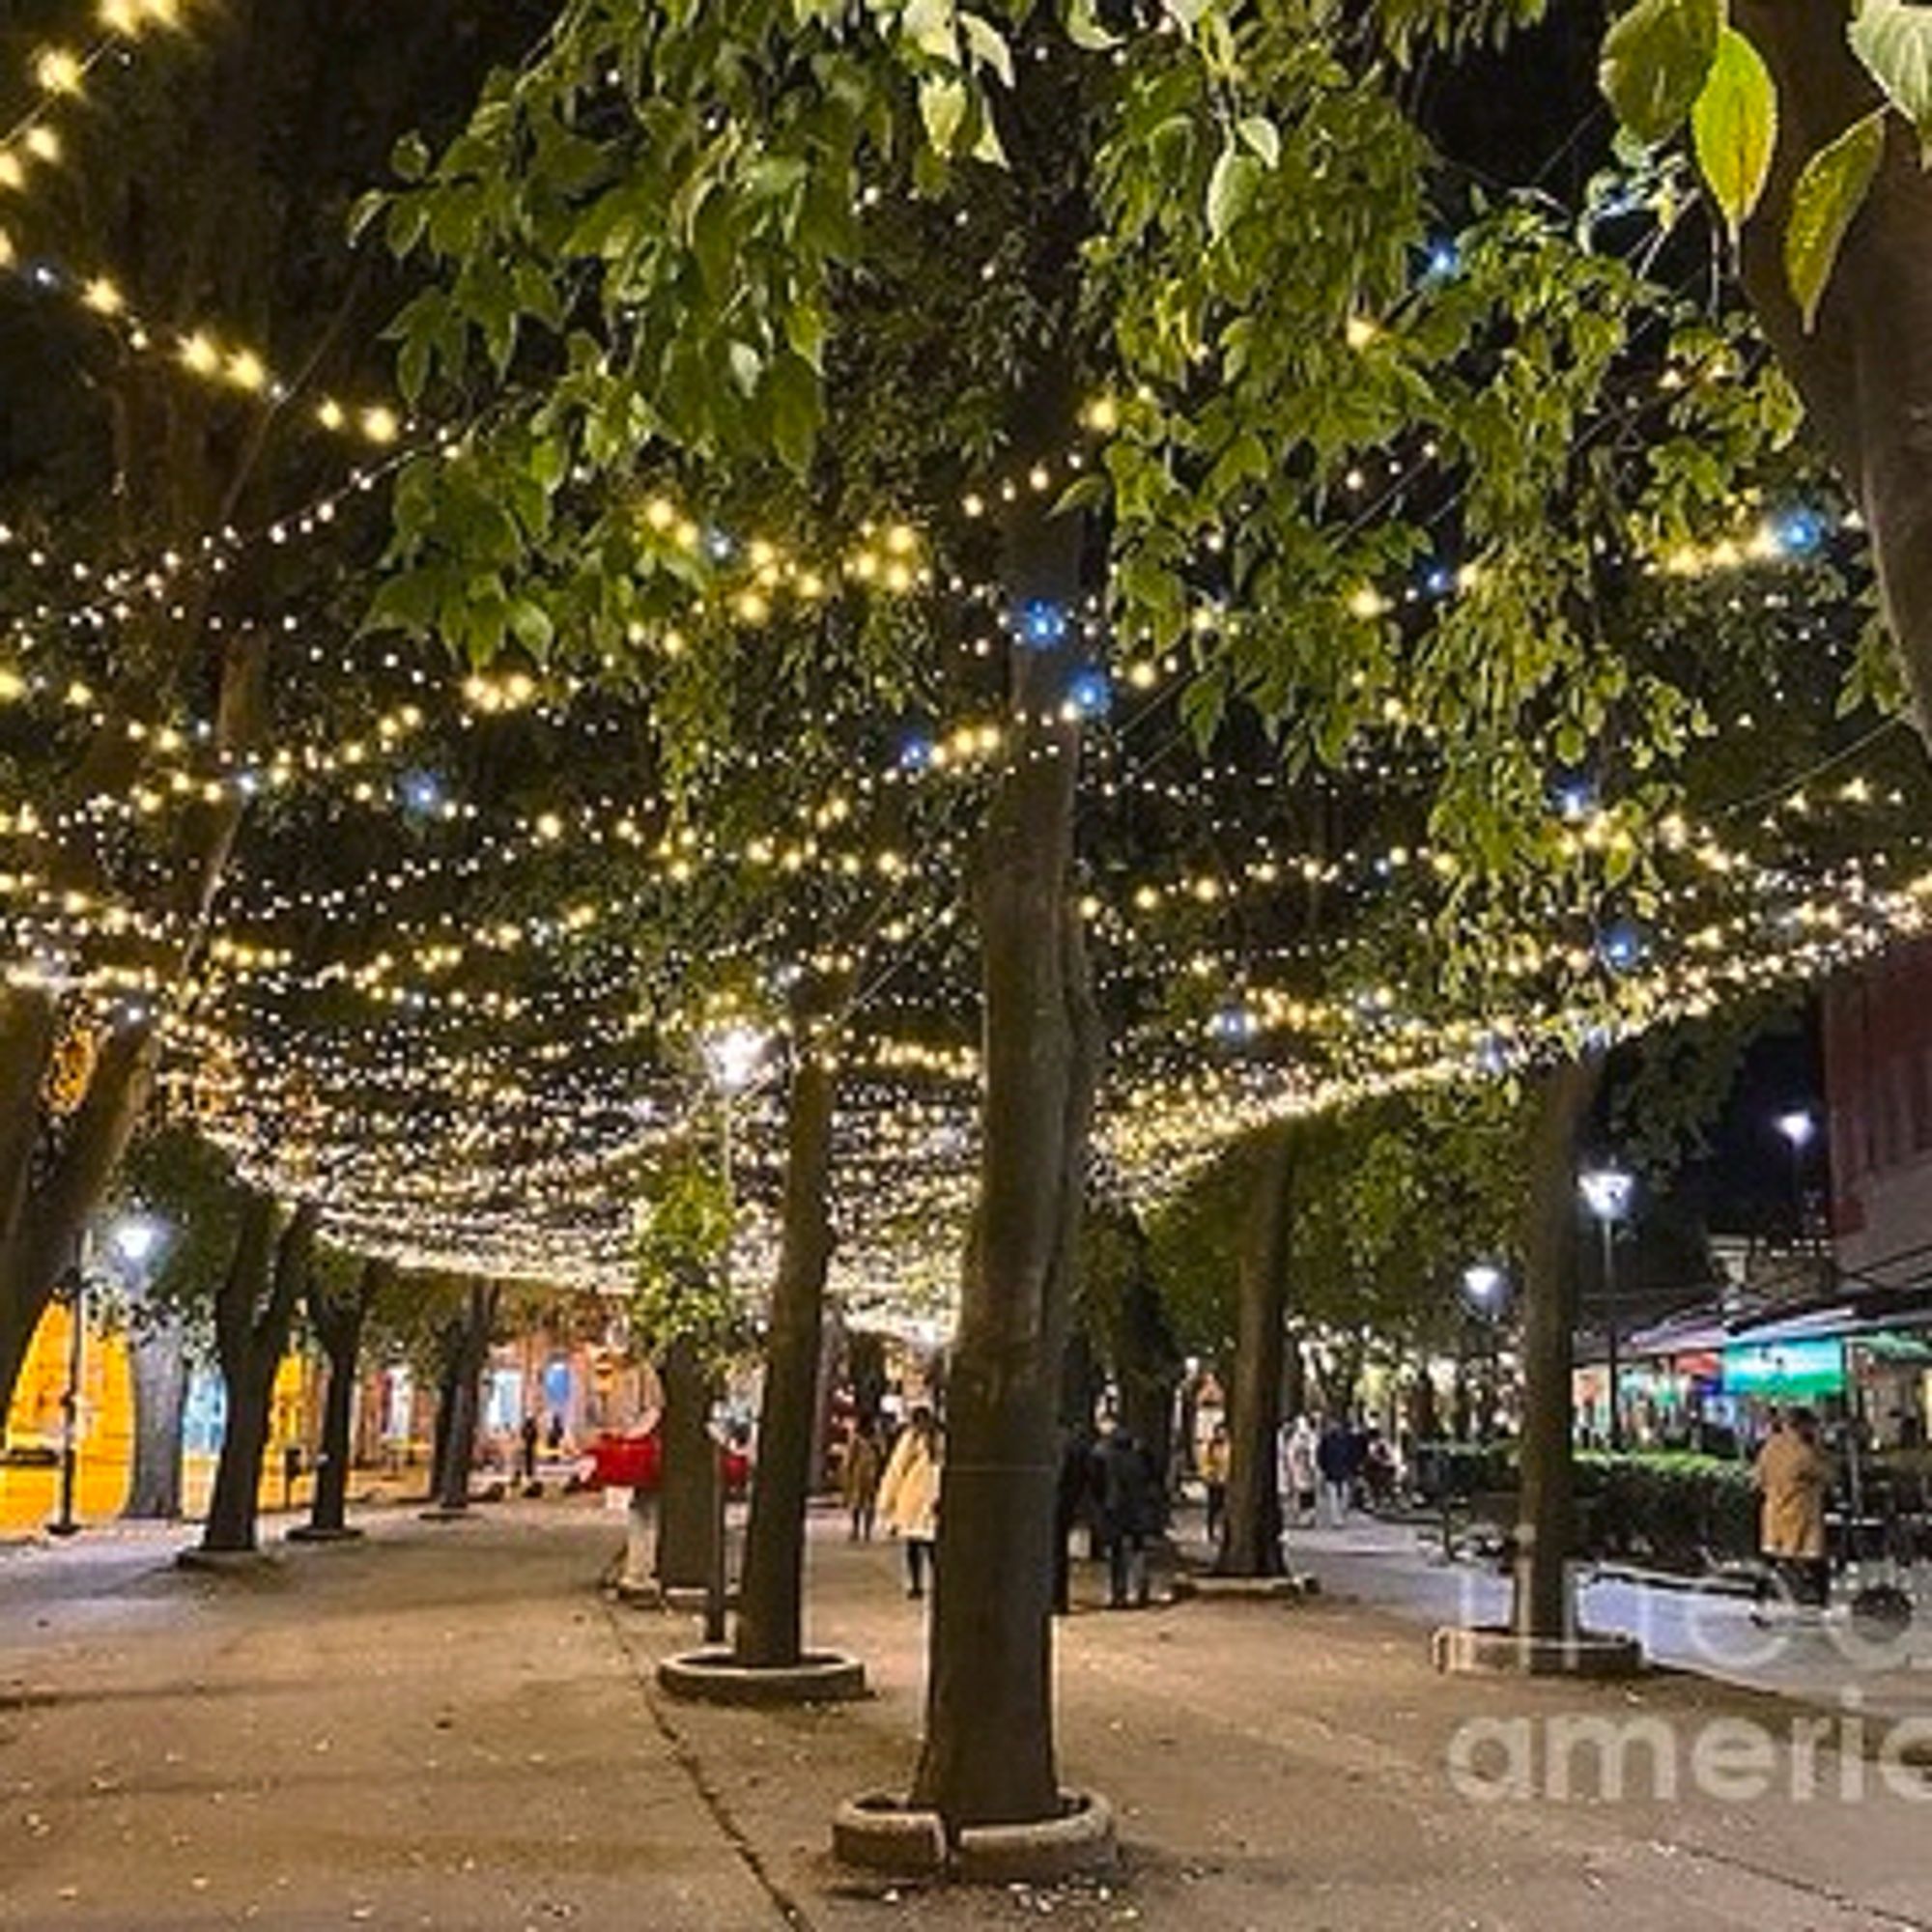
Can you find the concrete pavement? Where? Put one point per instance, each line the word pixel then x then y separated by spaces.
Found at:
pixel 446 1726
pixel 1714 1633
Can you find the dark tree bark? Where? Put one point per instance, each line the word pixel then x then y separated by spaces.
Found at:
pixel 472 1351
pixel 1865 373
pixel 54 1174
pixel 988 1756
pixel 865 1363
pixel 160 1359
pixel 338 1324
pixel 253 1310
pixel 1080 1378
pixel 1252 1526
pixel 1148 1364
pixel 770 1618
pixel 831 1364
pixel 1545 1514
pixel 687 1473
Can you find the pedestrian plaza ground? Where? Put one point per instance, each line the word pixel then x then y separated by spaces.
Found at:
pixel 448 1726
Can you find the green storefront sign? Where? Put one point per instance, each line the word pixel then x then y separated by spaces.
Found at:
pixel 1785 1371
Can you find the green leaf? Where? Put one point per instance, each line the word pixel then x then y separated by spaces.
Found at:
pixel 1734 127
pixel 365 211
pixel 1230 188
pixel 1263 136
pixel 792 396
pixel 928 25
pixel 1084 493
pixel 747 365
pixel 409 158
pixel 990 45
pixel 941 107
pixel 530 624
pixel 1084 28
pixel 1894 41
pixel 1824 201
pixel 1655 61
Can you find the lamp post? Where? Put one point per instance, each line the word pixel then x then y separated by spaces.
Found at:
pixel 1606 1192
pixel 134 1239
pixel 731 1058
pixel 1798 1128
pixel 1484 1286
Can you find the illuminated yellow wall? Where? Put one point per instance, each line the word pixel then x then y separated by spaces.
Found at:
pixel 107 1437
pixel 105 1463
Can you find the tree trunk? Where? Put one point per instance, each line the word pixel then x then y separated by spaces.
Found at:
pixel 160 1356
pixel 1149 1368
pixel 1546 1513
pixel 470 1355
pixel 988 1756
pixel 44 1207
pixel 338 1326
pixel 831 1360
pixel 1252 1525
pixel 866 1364
pixel 254 1309
pixel 687 1470
pixel 770 1616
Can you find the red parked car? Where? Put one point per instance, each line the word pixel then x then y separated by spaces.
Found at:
pixel 634 1460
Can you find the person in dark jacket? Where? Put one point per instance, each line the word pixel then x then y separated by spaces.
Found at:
pixel 1072 1499
pixel 1335 1457
pixel 1128 1493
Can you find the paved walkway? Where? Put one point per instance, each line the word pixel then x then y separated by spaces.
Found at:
pixel 446 1726
pixel 1715 1634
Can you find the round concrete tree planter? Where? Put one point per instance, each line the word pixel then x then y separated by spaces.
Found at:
pixel 717 1677
pixel 1206 1586
pixel 1459 1651
pixel 882 1833
pixel 226 1562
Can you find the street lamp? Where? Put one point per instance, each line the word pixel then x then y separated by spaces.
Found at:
pixel 1484 1282
pixel 1606 1193
pixel 136 1239
pixel 1798 1128
pixel 731 1056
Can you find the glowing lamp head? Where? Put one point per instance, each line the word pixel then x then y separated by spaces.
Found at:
pixel 137 1238
pixel 731 1056
pixel 1482 1283
pixel 1798 1127
pixel 1606 1192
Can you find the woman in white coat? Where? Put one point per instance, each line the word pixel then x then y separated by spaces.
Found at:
pixel 909 1495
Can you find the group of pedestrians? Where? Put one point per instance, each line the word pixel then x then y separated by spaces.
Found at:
pixel 899 1484
pixel 1329 1468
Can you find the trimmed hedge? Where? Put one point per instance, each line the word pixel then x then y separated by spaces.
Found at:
pixel 1672 1508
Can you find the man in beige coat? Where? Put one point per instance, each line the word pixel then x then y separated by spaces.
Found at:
pixel 1793 1475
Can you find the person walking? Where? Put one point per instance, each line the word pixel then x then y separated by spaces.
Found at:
pixel 908 1497
pixel 1792 1475
pixel 1215 1455
pixel 859 1477
pixel 529 1458
pixel 1297 1471
pixel 1129 1496
pixel 1334 1457
pixel 1073 1499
